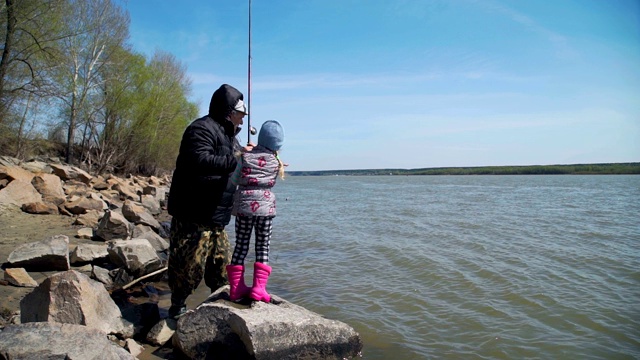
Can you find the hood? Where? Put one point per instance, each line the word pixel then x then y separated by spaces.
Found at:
pixel 223 101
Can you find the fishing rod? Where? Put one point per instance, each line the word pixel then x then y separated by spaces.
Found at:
pixel 252 130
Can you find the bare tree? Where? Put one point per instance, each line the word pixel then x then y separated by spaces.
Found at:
pixel 99 28
pixel 29 29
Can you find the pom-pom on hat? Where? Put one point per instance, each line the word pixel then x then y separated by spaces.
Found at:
pixel 271 135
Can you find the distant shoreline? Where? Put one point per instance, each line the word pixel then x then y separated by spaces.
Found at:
pixel 574 169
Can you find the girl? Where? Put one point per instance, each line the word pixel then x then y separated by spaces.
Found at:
pixel 255 206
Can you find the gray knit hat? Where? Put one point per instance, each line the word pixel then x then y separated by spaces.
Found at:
pixel 271 135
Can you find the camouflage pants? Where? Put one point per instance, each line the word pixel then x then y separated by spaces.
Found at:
pixel 196 251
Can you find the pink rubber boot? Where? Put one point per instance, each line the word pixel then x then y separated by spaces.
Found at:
pixel 261 274
pixel 238 289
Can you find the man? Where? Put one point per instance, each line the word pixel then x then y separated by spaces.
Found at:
pixel 201 198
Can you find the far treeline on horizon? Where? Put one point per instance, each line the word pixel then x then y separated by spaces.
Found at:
pixel 574 169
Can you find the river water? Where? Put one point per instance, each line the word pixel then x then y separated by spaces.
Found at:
pixel 464 267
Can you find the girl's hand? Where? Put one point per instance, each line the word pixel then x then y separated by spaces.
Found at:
pixel 249 147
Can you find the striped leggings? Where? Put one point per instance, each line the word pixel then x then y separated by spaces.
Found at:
pixel 244 227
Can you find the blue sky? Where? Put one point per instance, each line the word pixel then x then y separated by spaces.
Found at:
pixel 361 84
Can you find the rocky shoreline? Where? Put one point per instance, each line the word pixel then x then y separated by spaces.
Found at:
pixel 84 259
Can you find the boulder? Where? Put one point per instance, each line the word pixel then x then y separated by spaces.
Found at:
pixel 49 254
pixel 80 205
pixel 151 204
pixel 137 256
pixel 58 341
pixel 42 208
pixel 102 275
pixel 137 214
pixel 19 277
pixel 15 172
pixel 133 347
pixel 19 192
pixel 98 183
pixel 278 330
pixel 71 297
pixel 8 161
pixel 113 225
pixel 127 190
pixel 37 167
pixel 97 196
pixel 85 233
pixel 162 332
pixel 145 232
pixel 66 172
pixel 85 253
pixel 90 219
pixel 75 188
pixel 50 187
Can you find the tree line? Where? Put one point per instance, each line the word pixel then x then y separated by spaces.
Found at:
pixel 574 169
pixel 71 85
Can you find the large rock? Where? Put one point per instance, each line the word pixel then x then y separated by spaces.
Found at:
pixel 262 331
pixel 66 172
pixel 162 332
pixel 71 297
pixel 49 254
pixel 127 190
pixel 50 187
pixel 136 255
pixel 86 253
pixel 40 208
pixel 137 214
pixel 36 166
pixel 151 204
pixel 90 219
pixel 15 172
pixel 81 205
pixel 113 225
pixel 58 341
pixel 19 277
pixel 145 232
pixel 19 192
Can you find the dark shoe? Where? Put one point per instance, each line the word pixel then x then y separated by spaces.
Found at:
pixel 175 311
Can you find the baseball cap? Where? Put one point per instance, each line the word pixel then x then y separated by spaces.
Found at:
pixel 241 107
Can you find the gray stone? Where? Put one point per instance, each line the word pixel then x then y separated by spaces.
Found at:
pixel 137 256
pixel 36 166
pixel 137 214
pixel 42 208
pixel 162 332
pixel 90 219
pixel 263 331
pixel 71 297
pixel 81 205
pixel 19 277
pixel 58 341
pixel 50 187
pixel 102 275
pixel 49 254
pixel 145 232
pixel 66 172
pixel 19 192
pixel 113 225
pixel 84 253
pixel 151 204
